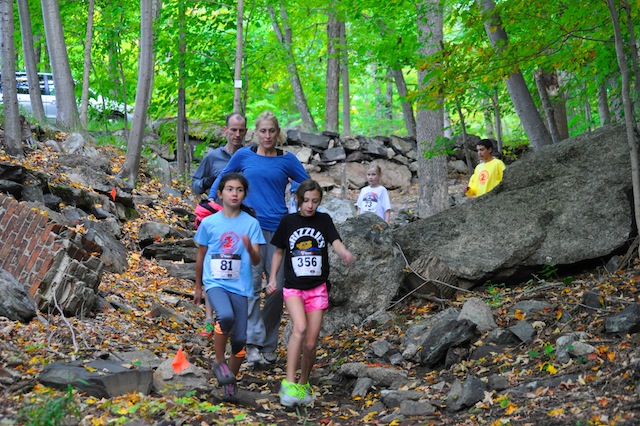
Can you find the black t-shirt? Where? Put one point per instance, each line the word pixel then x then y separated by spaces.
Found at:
pixel 305 242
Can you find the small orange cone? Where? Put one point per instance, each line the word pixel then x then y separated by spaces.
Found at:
pixel 179 362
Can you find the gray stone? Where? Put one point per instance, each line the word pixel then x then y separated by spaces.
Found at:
pixel 98 378
pixel 479 313
pixel 178 250
pixel 553 209
pixel 402 145
pixel 326 182
pixel 498 382
pixel 417 334
pixel 380 375
pixel 501 336
pixel 524 331
pixel 333 154
pixel 450 335
pixel 373 146
pixel 393 398
pixel 179 269
pixel 362 386
pixel 591 299
pixel 73 144
pixel 114 252
pixel 15 303
pixel 308 139
pixel 166 380
pixel 563 343
pixel 339 209
pixel 627 321
pixel 416 408
pixel 382 348
pixel 457 166
pixel 350 143
pixel 140 358
pixel 155 232
pixel 464 396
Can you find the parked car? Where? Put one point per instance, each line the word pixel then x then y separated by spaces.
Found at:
pixel 111 108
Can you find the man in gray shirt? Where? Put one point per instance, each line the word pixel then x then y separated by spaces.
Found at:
pixel 215 161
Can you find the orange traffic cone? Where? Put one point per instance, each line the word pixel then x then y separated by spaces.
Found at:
pixel 179 362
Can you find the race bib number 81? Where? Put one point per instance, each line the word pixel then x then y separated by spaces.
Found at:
pixel 225 266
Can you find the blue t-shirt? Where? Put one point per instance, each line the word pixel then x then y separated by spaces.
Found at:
pixel 268 178
pixel 227 263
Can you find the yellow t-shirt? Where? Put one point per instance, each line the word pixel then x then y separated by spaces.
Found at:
pixel 486 176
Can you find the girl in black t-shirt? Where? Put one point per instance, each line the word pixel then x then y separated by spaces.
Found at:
pixel 303 239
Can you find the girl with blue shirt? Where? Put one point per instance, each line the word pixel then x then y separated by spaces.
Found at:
pixel 229 243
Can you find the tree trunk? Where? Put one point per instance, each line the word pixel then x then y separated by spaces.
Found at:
pixel 149 10
pixel 407 108
pixel 546 104
pixel 12 131
pixel 344 71
pixel 498 118
pixel 284 36
pixel 30 62
pixel 520 96
pixel 182 101
pixel 433 194
pixel 488 117
pixel 331 102
pixel 628 109
pixel 388 96
pixel 237 73
pixel 465 148
pixel 603 105
pixel 633 47
pixel 65 96
pixel 84 103
pixel 377 91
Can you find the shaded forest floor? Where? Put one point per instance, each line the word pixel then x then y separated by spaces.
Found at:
pixel 597 390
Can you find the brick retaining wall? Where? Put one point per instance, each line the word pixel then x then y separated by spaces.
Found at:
pixel 54 262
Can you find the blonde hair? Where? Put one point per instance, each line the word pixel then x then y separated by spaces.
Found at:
pixel 269 116
pixel 376 167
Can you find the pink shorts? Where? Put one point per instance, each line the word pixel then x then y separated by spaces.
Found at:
pixel 315 299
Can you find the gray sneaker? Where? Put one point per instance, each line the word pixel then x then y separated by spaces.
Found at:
pixel 254 358
pixel 270 357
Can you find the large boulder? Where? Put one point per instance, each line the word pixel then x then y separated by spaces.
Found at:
pixel 561 205
pixel 16 303
pixel 368 285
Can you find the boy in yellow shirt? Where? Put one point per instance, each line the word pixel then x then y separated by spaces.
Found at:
pixel 488 174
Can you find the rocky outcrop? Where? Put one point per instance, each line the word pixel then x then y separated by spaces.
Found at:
pixel 564 204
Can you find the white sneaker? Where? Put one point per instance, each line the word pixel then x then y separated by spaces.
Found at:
pixel 254 357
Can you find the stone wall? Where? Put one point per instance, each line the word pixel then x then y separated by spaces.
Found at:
pixel 56 264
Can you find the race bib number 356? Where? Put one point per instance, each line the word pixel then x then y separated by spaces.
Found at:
pixel 225 266
pixel 307 265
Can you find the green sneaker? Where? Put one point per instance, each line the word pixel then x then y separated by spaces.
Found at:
pixel 308 392
pixel 291 394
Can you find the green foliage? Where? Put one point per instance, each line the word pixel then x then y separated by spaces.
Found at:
pixel 441 146
pixel 51 409
pixel 552 35
pixel 495 292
